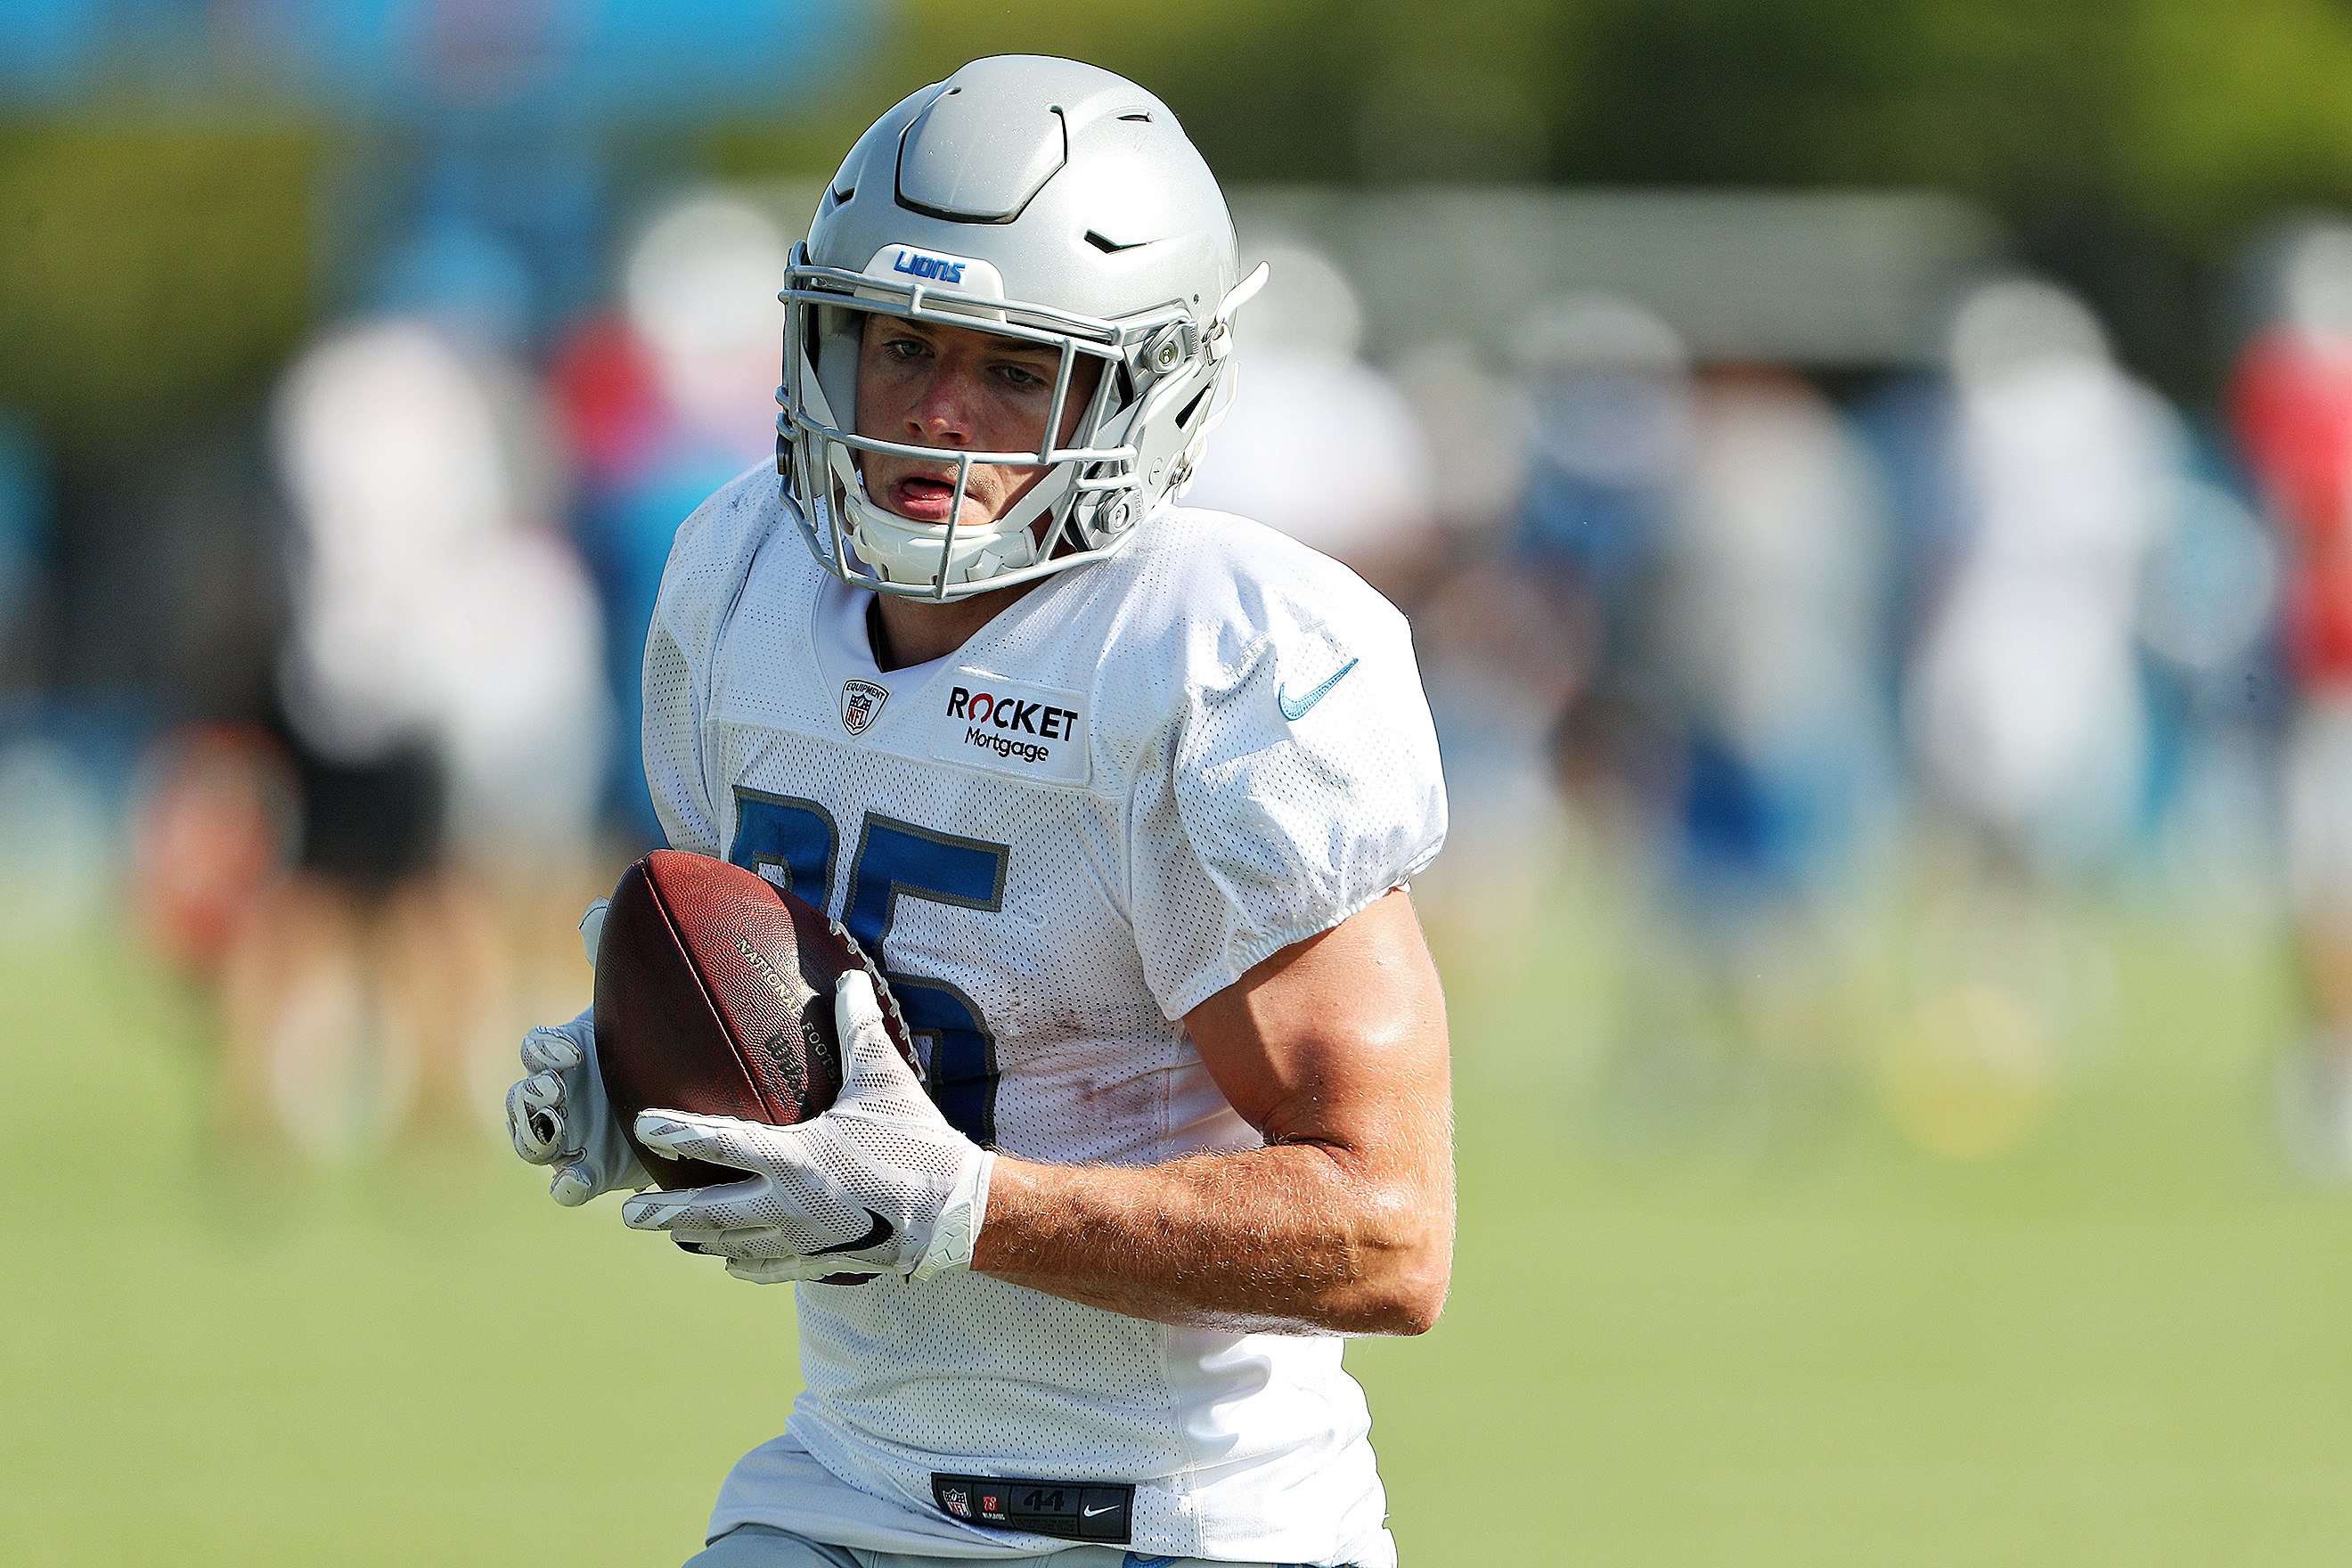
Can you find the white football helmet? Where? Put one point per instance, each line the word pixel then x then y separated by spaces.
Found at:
pixel 1031 199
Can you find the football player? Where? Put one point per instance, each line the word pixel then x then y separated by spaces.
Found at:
pixel 1125 797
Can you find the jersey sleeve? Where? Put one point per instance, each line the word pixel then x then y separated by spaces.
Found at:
pixel 1297 783
pixel 701 585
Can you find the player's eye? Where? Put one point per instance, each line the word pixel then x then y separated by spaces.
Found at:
pixel 904 349
pixel 1022 377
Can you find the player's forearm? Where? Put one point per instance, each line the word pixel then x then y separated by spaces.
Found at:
pixel 1296 1237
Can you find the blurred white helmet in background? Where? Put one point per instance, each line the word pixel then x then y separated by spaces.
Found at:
pixel 1308 305
pixel 2315 283
pixel 1031 199
pixel 696 286
pixel 2012 323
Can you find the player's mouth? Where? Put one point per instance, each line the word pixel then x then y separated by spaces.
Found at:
pixel 924 498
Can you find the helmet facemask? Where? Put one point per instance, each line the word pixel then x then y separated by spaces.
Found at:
pixel 1082 507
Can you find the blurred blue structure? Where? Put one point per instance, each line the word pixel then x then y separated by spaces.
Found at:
pixel 512 100
pixel 552 60
pixel 420 61
pixel 47 47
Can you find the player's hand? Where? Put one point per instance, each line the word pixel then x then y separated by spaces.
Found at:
pixel 558 1115
pixel 878 1181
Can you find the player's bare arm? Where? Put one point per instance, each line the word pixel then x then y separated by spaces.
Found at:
pixel 1335 1048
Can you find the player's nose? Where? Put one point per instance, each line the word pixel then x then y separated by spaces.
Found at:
pixel 942 412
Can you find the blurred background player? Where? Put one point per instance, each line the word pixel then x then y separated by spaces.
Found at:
pixel 2291 401
pixel 441 682
pixel 2052 479
pixel 2026 704
pixel 662 399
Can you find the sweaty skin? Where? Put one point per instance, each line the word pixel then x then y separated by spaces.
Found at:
pixel 1334 1049
pixel 958 390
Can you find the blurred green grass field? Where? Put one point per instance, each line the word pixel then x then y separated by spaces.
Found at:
pixel 2122 1341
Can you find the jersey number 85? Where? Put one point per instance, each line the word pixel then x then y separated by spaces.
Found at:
pixel 792 842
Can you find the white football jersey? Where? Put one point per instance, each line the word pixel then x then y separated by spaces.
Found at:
pixel 1140 779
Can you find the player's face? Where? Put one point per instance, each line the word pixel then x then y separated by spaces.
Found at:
pixel 958 389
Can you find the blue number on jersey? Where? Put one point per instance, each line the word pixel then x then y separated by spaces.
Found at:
pixel 783 833
pixel 895 860
pixel 899 859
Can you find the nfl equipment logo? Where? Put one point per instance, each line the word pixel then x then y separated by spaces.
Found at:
pixel 860 701
pixel 958 1501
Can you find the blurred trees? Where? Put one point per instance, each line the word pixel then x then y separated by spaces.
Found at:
pixel 148 269
pixel 2128 144
pixel 2190 115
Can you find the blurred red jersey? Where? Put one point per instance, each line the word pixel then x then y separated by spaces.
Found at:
pixel 2291 402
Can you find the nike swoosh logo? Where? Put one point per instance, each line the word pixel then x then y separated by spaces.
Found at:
pixel 1090 1512
pixel 1295 707
pixel 875 1237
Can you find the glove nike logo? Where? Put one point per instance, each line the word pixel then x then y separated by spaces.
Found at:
pixel 875 1237
pixel 1295 707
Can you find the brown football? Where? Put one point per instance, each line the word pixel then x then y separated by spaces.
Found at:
pixel 714 994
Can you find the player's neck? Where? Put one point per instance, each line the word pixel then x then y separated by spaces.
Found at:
pixel 907 632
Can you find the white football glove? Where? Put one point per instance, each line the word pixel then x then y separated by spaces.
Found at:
pixel 878 1181
pixel 558 1114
